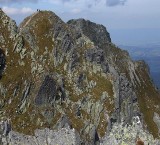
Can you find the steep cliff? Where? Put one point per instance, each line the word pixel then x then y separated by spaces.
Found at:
pixel 57 75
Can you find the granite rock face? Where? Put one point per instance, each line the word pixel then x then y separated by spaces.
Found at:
pixel 68 83
pixel 47 92
pixel 95 32
pixel 63 136
pixel 128 134
pixel 156 119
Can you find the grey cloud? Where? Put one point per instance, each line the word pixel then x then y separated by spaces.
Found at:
pixel 65 1
pixel 109 3
pixel 9 2
pixel 115 2
pixel 92 3
pixel 89 6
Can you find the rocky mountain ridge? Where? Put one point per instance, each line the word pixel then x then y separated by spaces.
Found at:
pixel 56 75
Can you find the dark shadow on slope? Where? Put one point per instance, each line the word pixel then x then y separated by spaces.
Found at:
pixel 2 62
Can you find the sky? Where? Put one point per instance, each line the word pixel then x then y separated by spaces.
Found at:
pixel 129 22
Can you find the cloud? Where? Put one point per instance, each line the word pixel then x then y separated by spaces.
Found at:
pixel 65 1
pixel 16 11
pixel 115 2
pixel 90 3
pixel 75 11
pixel 17 1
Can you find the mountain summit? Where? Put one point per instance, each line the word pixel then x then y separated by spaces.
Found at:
pixel 67 83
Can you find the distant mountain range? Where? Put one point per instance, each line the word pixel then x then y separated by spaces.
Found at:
pixel 151 54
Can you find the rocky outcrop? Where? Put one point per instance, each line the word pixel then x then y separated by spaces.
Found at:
pixel 95 32
pixel 70 78
pixel 119 134
pixel 2 62
pixel 126 104
pixel 124 134
pixel 156 119
pixel 63 136
pixel 47 92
